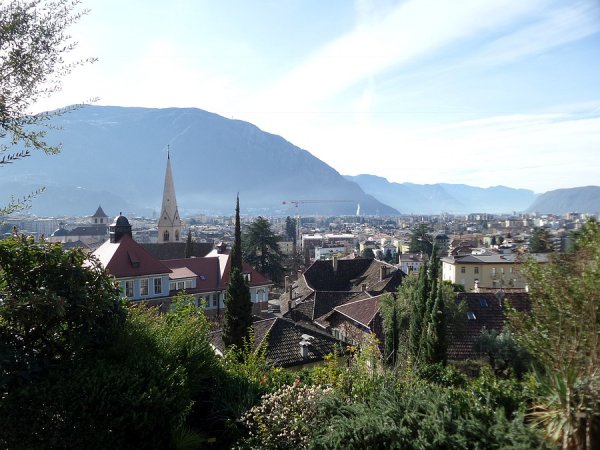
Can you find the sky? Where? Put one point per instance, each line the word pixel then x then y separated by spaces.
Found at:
pixel 478 92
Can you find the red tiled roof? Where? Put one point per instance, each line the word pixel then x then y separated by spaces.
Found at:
pixel 205 269
pixel 127 258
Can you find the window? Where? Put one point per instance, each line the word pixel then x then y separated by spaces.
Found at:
pixel 215 300
pixel 510 270
pixel 166 236
pixel 502 270
pixel 260 295
pixel 493 271
pixel 177 235
pixel 158 285
pixel 188 284
pixel 247 277
pixel 172 286
pixel 180 285
pixel 129 288
pixel 144 286
pixel 463 270
pixel 471 315
pixel 476 270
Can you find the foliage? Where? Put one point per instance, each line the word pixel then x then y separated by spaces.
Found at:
pixel 417 415
pixel 420 240
pixel 367 253
pixel 236 250
pixel 261 249
pixel 238 310
pixel 238 305
pixel 33 44
pixel 562 334
pixel 391 316
pixel 80 371
pixel 505 356
pixel 290 229
pixel 540 241
pixel 56 306
pixel 284 419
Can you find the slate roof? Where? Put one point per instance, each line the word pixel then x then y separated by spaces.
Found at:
pixel 351 274
pixel 127 258
pixel 361 311
pixel 488 311
pixel 283 338
pixel 99 212
pixel 176 250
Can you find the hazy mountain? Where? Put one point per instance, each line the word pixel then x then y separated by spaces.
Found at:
pixel 412 198
pixel 581 199
pixel 116 157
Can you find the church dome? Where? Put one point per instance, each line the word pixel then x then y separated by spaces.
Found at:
pixel 120 221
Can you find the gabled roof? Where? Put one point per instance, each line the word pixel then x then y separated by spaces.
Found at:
pixel 256 278
pixel 486 310
pixel 94 230
pixel 127 258
pixel 283 339
pixel 361 311
pixel 205 269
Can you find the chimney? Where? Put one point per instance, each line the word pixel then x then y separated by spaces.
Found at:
pixel 221 248
pixel 382 272
pixel 363 287
pixel 334 261
pixel 304 344
pixel 286 283
pixel 476 286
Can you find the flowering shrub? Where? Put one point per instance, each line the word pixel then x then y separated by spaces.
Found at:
pixel 284 418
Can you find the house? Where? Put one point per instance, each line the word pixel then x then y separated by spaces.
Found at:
pixel 289 344
pixel 492 271
pixel 412 262
pixel 142 276
pixel 484 310
pixel 91 235
pixel 327 285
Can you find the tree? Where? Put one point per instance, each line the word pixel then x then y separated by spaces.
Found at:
pixel 238 305
pixel 189 245
pixel 540 241
pixel 261 249
pixel 368 253
pixel 390 313
pixel 290 229
pixel 56 306
pixel 420 240
pixel 562 334
pixel 236 250
pixel 33 44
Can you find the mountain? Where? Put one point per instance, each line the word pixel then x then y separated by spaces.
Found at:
pixel 116 157
pixel 560 201
pixel 412 198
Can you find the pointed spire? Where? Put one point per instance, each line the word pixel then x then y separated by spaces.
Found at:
pixel 169 223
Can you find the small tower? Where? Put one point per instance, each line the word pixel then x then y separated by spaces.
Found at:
pixel 119 228
pixel 169 223
pixel 100 217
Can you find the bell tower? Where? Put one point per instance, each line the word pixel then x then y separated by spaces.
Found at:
pixel 169 223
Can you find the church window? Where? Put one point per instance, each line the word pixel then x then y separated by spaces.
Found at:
pixel 177 235
pixel 166 236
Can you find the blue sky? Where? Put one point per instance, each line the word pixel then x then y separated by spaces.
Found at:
pixel 481 92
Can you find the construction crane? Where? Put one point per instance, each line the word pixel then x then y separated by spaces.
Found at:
pixel 296 204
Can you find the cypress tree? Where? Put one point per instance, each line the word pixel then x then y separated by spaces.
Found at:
pixel 428 328
pixel 438 320
pixel 391 328
pixel 236 251
pixel 418 309
pixel 188 245
pixel 238 305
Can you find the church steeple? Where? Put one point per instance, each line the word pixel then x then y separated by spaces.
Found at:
pixel 169 223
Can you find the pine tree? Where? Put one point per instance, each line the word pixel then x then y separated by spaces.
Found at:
pixel 261 249
pixel 238 305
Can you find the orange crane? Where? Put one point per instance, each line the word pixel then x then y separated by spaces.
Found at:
pixel 297 203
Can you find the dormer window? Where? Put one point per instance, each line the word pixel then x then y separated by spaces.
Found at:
pixel 247 277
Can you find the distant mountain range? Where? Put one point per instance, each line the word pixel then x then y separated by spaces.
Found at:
pixel 561 201
pixel 412 198
pixel 116 157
